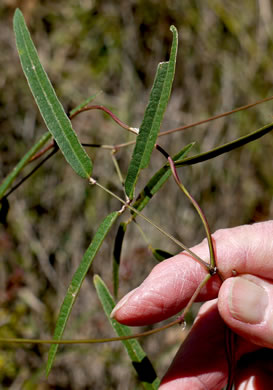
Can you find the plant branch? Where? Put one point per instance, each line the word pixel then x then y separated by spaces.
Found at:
pixel 89 341
pixel 177 242
pixel 194 203
pixel 21 164
pixel 197 208
pixel 212 118
pixel 44 150
pixel 102 146
pixel 30 155
pixel 31 172
pixel 242 108
pixel 226 147
pixel 116 165
pixel 107 111
pixel 111 339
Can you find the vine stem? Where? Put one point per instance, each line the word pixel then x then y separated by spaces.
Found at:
pixel 31 172
pixel 136 130
pixel 177 242
pixel 90 341
pixel 194 203
pixel 116 165
pixel 203 121
pixel 198 209
pixel 229 337
pixel 22 163
pixel 179 320
pixel 181 128
pixel 242 108
pixel 107 111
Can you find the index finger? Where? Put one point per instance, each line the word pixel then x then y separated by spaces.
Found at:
pixel 170 285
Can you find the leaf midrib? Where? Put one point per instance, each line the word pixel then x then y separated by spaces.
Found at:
pixel 51 106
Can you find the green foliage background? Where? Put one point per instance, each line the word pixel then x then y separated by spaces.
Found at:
pixel 224 61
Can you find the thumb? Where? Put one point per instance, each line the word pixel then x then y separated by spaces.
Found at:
pixel 245 303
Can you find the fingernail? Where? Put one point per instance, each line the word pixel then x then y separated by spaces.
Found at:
pixel 121 303
pixel 247 301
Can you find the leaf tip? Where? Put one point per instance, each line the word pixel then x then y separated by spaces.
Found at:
pixel 17 14
pixel 173 29
pixel 96 279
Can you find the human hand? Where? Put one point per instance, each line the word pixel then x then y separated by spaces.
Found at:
pixel 243 302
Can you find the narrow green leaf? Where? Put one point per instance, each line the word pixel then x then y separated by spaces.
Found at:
pixel 51 109
pixel 153 116
pixel 76 283
pixel 160 254
pixel 140 360
pixel 237 143
pixel 158 180
pixel 116 255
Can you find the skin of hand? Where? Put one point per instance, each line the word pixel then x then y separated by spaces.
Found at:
pixel 244 303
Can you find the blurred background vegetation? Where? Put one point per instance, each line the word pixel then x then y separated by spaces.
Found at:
pixel 86 46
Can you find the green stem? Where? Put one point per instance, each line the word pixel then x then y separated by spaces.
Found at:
pixel 198 209
pixel 177 242
pixel 111 339
pixel 89 341
pixel 116 165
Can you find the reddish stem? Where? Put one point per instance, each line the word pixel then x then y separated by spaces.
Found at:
pixel 215 117
pixel 107 111
pixel 43 151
